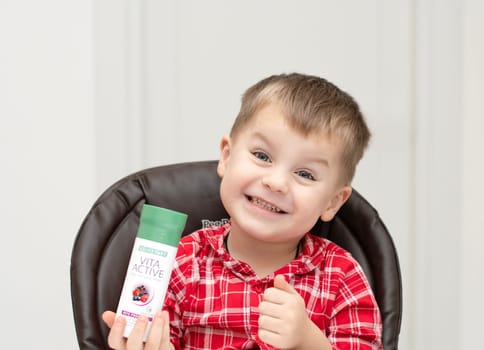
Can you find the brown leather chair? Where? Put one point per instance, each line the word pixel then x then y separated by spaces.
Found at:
pixel 104 242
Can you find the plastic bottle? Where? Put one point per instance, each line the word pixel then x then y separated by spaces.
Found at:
pixel 150 264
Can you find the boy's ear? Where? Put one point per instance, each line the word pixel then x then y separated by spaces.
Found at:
pixel 335 203
pixel 225 144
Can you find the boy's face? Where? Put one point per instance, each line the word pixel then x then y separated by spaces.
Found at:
pixel 276 182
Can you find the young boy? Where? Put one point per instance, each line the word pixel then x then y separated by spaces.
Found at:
pixel 262 281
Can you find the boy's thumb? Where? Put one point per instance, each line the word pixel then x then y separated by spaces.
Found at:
pixel 281 283
pixel 108 318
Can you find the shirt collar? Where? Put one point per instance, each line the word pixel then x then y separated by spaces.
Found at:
pixel 310 255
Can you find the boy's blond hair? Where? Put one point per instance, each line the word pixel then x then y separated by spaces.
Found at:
pixel 311 104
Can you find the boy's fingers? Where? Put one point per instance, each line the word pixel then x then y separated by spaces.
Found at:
pixel 115 337
pixel 269 337
pixel 158 338
pixel 135 339
pixel 156 332
pixel 108 318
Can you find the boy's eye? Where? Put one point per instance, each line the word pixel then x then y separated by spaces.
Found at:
pixel 262 156
pixel 305 174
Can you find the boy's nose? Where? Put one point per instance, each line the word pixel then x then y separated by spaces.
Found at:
pixel 275 181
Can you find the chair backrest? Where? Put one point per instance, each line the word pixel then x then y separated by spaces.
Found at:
pixel 103 244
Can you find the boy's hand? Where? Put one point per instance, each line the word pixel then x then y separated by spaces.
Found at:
pixel 158 338
pixel 283 318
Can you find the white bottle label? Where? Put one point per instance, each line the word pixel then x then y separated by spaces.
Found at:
pixel 146 281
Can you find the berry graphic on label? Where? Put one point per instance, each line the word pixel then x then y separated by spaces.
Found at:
pixel 141 295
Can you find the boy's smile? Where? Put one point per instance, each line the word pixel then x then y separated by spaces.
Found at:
pixel 260 203
pixel 276 181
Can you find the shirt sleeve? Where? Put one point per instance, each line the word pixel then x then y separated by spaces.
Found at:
pixel 356 321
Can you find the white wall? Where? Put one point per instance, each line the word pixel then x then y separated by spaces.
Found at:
pixel 438 77
pixel 471 238
pixel 47 162
pixel 91 91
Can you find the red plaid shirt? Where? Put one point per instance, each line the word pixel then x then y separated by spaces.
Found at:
pixel 213 299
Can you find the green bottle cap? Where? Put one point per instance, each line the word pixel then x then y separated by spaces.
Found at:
pixel 161 225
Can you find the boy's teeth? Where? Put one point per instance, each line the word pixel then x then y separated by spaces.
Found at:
pixel 264 205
